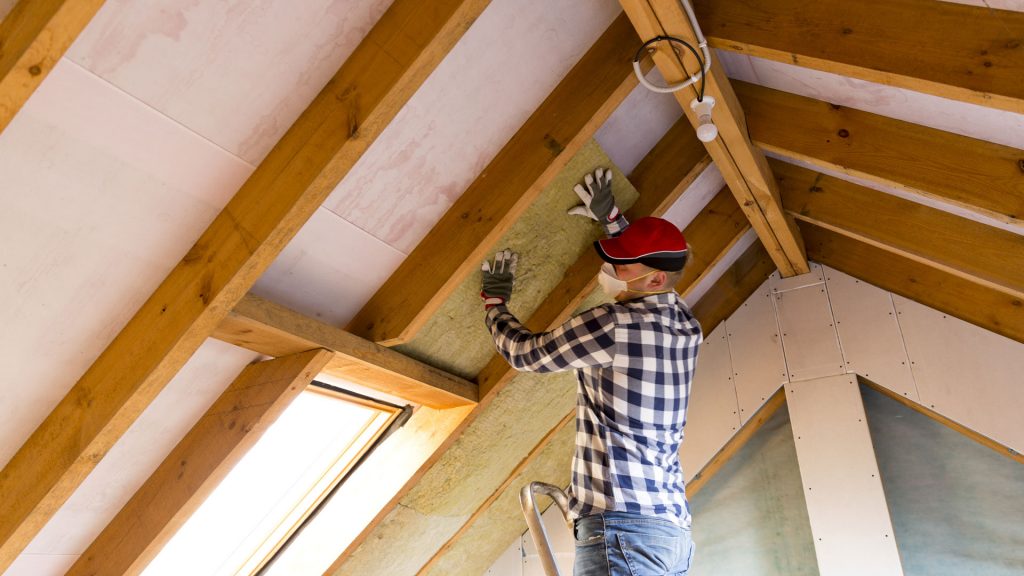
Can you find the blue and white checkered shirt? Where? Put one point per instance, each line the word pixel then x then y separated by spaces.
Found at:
pixel 634 362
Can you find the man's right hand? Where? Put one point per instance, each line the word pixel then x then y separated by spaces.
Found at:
pixel 596 193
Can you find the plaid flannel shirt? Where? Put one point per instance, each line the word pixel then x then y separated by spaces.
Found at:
pixel 634 362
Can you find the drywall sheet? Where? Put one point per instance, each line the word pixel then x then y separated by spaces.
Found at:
pixel 510 563
pixel 814 277
pixel 808 333
pixel 713 414
pixel 869 333
pixel 759 366
pixel 845 500
pixel 970 375
pixel 751 518
pixel 956 506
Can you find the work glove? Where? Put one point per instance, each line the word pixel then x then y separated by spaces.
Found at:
pixel 596 193
pixel 498 278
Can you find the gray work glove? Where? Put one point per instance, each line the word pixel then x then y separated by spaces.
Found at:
pixel 498 278
pixel 598 201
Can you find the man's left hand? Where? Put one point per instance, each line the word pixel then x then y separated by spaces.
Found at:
pixel 498 278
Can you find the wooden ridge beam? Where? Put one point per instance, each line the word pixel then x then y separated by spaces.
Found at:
pixel 272 329
pixel 733 288
pixel 401 50
pixel 743 166
pixel 464 236
pixel 661 177
pixel 975 303
pixel 975 252
pixel 975 175
pixel 197 465
pixel 966 53
pixel 34 36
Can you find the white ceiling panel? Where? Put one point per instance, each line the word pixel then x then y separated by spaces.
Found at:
pixel 637 125
pixel 102 196
pixel 238 72
pixel 329 270
pixel 464 113
pixel 138 453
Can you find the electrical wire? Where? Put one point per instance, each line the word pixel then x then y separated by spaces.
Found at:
pixel 666 89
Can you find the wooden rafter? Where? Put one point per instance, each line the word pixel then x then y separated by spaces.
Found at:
pixel 194 468
pixel 661 177
pixel 980 305
pixel 977 253
pixel 464 236
pixel 717 228
pixel 743 166
pixel 975 175
pixel 33 37
pixel 272 329
pixel 401 50
pixel 967 53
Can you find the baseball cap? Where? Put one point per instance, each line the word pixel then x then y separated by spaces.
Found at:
pixel 651 241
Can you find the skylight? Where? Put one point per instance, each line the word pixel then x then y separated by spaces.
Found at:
pixel 275 486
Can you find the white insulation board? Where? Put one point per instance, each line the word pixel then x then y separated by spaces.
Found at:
pixel 809 337
pixel 759 366
pixel 713 414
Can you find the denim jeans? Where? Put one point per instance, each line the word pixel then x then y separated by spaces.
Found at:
pixel 628 544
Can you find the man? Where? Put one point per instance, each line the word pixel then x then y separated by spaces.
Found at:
pixel 634 361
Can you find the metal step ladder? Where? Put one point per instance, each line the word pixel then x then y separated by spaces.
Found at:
pixel 533 521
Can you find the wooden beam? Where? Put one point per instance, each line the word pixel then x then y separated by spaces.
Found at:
pixel 660 178
pixel 736 284
pixel 743 166
pixel 272 329
pixel 194 468
pixel 980 305
pixel 464 236
pixel 960 52
pixel 405 45
pixel 738 441
pixel 985 441
pixel 33 37
pixel 716 229
pixel 975 252
pixel 979 176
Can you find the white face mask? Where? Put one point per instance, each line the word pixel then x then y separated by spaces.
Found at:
pixel 612 285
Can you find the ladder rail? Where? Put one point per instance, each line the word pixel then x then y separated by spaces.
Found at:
pixel 533 520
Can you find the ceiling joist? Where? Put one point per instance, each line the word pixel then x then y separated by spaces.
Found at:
pixel 743 166
pixel 272 329
pixel 967 53
pixel 194 468
pixel 465 235
pixel 401 50
pixel 34 36
pixel 979 176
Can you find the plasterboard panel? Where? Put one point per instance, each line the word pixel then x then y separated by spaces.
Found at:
pixel 712 416
pixel 448 131
pixel 237 72
pixel 972 120
pixel 869 333
pixel 560 539
pixel 809 336
pixel 102 196
pixel 758 364
pixel 968 374
pixel 813 278
pixel 138 453
pixel 510 563
pixel 637 124
pixel 329 270
pixel 845 500
pixel 705 187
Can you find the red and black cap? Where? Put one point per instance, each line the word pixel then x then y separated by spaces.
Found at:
pixel 654 242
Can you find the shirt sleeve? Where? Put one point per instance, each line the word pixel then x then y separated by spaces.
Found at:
pixel 586 340
pixel 617 226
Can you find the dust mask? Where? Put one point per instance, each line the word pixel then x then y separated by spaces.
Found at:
pixel 612 285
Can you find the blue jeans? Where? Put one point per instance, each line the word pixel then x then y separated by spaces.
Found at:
pixel 628 544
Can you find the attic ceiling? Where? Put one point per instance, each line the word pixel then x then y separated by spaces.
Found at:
pixel 364 207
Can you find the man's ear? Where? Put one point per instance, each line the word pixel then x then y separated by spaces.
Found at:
pixel 659 279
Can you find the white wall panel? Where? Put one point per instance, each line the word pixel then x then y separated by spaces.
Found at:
pixel 756 349
pixel 712 416
pixel 637 125
pixel 814 277
pixel 846 504
pixel 510 563
pixel 808 333
pixel 968 374
pixel 869 333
